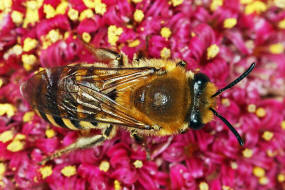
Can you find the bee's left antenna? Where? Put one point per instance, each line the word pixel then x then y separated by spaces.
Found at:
pixel 234 131
pixel 242 76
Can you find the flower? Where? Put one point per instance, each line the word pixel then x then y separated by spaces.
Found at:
pixel 218 38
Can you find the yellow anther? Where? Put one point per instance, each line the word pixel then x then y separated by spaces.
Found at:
pixel 258 171
pixel 86 37
pixel 138 15
pixel 263 180
pixel 104 166
pixel 283 124
pixel 247 153
pixel 88 13
pixel 46 171
pixel 28 61
pixel 73 14
pixel 230 22
pixel 280 3
pixel 5 5
pixel 245 1
pixel 2 169
pixel 138 164
pixel 281 24
pixel 29 44
pixel 117 185
pixel 68 171
pixel 7 109
pixel 216 4
pixel 277 48
pixel 281 178
pixel 134 43
pixel 212 51
pixel 203 186
pixel 6 136
pixel 255 6
pixel 234 165
pixel 176 2
pixel 260 112
pixel 165 53
pixel 267 135
pixel 251 108
pixel 114 33
pixel 49 11
pixel 226 102
pixel 15 146
pixel 50 133
pixel 17 17
pixel 165 32
pixel 100 8
pixel 137 1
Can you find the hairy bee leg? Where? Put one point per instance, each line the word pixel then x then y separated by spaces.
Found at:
pixel 141 141
pixel 83 142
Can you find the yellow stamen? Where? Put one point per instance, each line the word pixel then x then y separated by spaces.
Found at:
pixel 32 13
pixel 46 171
pixel 165 32
pixel 5 5
pixel 7 109
pixel 114 33
pixel 212 51
pixel 176 2
pixel 50 133
pixel 88 13
pixel 54 36
pixel 28 61
pixel 68 171
pixel 270 153
pixel 258 171
pixel 17 17
pixel 117 185
pixel 234 165
pixel 281 24
pixel 6 136
pixel 100 8
pixel 203 186
pixel 138 15
pixel 1 82
pixel 29 44
pixel 62 7
pixel 216 4
pixel 2 169
pixel 251 108
pixel 15 146
pixel 137 1
pixel 283 124
pixel 104 166
pixel 260 112
pixel 73 14
pixel 224 187
pixel 226 102
pixel 255 6
pixel 267 135
pixel 247 153
pixel 280 3
pixel 245 1
pixel 230 22
pixel 138 164
pixel 165 53
pixel 19 137
pixel 49 11
pixel 277 48
pixel 134 43
pixel 281 178
pixel 86 37
pixel 263 180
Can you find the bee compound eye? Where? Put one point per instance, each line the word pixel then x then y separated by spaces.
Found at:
pixel 195 122
pixel 201 78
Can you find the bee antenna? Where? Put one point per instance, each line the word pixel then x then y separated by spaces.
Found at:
pixel 234 131
pixel 242 76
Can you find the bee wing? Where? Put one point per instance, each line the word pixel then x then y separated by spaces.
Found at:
pixel 87 92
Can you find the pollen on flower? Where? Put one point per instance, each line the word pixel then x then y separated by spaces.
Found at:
pixel 281 178
pixel 263 180
pixel 226 102
pixel 245 1
pixel 28 61
pixel 68 171
pixel 255 6
pixel 230 22
pixel 117 185
pixel 88 13
pixel 203 186
pixel 5 5
pixel 212 51
pixel 267 135
pixel 176 2
pixel 137 1
pixel 1 82
pixel 276 48
pixel 138 15
pixel 50 133
pixel 270 153
pixel 251 108
pixel 6 136
pixel 73 14
pixel 281 24
pixel 234 165
pixel 165 53
pixel 260 112
pixel 280 3
pixel 283 124
pixel 165 32
pixel 17 17
pixel 46 171
pixel 54 35
pixel 20 137
pixel 104 166
pixel 86 37
pixel 49 11
pixel 114 33
pixel 258 171
pixel 7 109
pixel 29 44
pixel 62 7
pixel 247 153
pixel 15 146
pixel 2 169
pixel 138 164
pixel 225 187
pixel 100 8
pixel 216 4
pixel 134 43
pixel 28 116
pixel 32 13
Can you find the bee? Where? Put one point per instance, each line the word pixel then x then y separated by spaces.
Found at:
pixel 147 97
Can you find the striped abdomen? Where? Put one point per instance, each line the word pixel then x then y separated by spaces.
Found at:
pixel 52 94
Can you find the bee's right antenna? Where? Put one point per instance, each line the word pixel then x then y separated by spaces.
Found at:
pixel 242 76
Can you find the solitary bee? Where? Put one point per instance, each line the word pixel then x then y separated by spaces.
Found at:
pixel 147 97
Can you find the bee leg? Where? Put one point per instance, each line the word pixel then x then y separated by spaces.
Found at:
pixel 141 141
pixel 83 142
pixel 106 55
